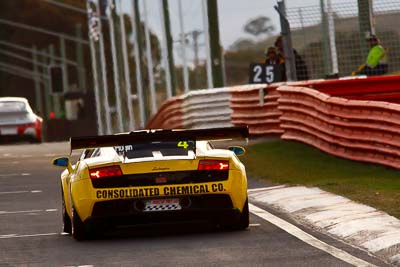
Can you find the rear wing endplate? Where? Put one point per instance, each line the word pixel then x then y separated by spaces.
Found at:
pixel 225 133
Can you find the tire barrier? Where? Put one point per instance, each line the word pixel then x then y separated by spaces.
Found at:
pixel 360 130
pixel 257 107
pixel 377 88
pixel 169 116
pixel 366 131
pixel 222 107
pixel 207 108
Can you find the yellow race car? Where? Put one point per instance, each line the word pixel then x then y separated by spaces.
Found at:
pixel 154 176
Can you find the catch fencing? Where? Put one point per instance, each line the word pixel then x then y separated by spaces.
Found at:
pixel 330 40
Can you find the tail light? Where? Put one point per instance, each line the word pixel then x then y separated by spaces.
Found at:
pixel 23 127
pixel 105 172
pixel 213 165
pixel 37 123
pixel 38 127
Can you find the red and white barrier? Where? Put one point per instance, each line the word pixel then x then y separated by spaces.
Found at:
pixel 169 116
pixel 257 107
pixel 355 129
pixel 207 109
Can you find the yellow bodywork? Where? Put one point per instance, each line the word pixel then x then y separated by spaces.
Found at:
pixel 79 191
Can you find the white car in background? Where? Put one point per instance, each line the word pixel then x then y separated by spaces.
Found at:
pixel 18 121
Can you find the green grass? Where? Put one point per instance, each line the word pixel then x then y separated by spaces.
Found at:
pixel 293 163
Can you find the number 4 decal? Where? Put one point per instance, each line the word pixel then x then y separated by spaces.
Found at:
pixel 183 144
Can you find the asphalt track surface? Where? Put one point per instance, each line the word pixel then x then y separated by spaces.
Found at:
pixel 30 226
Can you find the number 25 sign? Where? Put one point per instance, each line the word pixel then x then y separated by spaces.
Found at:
pixel 263 73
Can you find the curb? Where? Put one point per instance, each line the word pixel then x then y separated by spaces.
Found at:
pixel 356 224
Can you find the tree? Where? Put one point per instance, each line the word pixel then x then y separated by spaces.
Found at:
pixel 242 44
pixel 259 26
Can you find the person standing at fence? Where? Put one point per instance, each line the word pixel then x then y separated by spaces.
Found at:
pixel 301 67
pixel 275 59
pixel 376 63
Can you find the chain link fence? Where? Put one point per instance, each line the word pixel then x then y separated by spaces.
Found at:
pixel 330 41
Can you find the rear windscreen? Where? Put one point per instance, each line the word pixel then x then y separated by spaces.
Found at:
pixel 12 106
pixel 157 149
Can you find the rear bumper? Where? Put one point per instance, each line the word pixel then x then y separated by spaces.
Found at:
pixel 20 133
pixel 114 202
pixel 17 138
pixel 204 208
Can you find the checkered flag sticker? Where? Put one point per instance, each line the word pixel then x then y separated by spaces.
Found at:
pixel 163 206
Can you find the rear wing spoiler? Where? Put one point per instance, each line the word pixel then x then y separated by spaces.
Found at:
pixel 225 133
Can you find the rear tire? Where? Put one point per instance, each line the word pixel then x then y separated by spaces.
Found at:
pixel 240 222
pixel 244 219
pixel 35 140
pixel 78 227
pixel 67 227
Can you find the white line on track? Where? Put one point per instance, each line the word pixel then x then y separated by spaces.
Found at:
pixel 13 192
pixel 17 156
pixel 307 238
pixel 8 163
pixel 21 192
pixel 25 211
pixel 18 212
pixel 19 236
pixel 14 174
pixel 9 174
pixel 51 210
